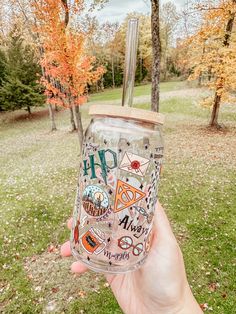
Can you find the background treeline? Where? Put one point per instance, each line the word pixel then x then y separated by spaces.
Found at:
pixel 107 43
pixel 20 71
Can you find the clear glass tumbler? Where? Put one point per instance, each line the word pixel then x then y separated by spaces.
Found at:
pixel 117 188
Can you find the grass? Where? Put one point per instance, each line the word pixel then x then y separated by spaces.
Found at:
pixel 38 180
pixel 113 94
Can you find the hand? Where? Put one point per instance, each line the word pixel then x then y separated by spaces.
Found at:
pixel 160 285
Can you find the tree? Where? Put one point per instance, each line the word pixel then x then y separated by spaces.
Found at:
pixel 221 80
pixel 16 95
pixel 67 70
pixel 110 29
pixel 144 58
pixel 217 38
pixel 156 49
pixel 168 22
pixel 2 67
pixel 20 87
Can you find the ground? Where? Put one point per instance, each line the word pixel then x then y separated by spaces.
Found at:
pixel 38 179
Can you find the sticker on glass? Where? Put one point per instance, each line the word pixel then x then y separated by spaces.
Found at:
pixel 134 164
pixel 126 243
pixel 93 242
pixel 95 201
pixel 126 195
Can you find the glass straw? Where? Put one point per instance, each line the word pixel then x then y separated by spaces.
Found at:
pixel 130 62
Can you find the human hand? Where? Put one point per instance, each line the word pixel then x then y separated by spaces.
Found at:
pixel 160 285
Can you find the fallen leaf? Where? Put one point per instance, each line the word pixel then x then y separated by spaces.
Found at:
pixel 51 248
pixel 224 295
pixel 30 276
pixel 213 286
pixel 55 290
pixel 82 293
pixel 204 306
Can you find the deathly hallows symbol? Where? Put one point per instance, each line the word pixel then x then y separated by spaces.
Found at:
pixel 126 195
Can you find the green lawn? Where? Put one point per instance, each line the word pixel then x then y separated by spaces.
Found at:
pixel 112 94
pixel 37 190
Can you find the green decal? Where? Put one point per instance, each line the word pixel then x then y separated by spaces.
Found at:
pixel 102 154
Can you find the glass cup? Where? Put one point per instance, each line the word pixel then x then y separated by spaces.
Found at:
pixel 117 188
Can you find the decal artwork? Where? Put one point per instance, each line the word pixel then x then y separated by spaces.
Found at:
pixel 126 196
pixel 143 212
pixel 95 201
pixel 115 204
pixel 93 242
pixel 134 164
pixel 108 161
pixel 76 233
pixel 148 242
pixel 126 243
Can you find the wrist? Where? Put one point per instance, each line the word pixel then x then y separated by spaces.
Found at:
pixel 184 305
pixel 187 305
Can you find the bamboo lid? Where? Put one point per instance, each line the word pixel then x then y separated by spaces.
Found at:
pixel 127 112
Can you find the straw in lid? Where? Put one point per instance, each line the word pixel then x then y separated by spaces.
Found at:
pixel 126 111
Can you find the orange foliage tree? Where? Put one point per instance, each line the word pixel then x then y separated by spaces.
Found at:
pixel 212 53
pixel 67 71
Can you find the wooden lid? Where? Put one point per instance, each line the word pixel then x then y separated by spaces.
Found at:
pixel 127 112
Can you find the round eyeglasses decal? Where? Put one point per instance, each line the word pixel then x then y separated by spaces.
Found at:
pixel 126 243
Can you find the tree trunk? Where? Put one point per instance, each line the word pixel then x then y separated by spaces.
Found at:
pixel 217 99
pixel 56 108
pixel 201 74
pixel 165 68
pixel 52 119
pixel 79 126
pixel 209 74
pixel 215 111
pixel 200 79
pixel 165 55
pixel 113 72
pixel 156 49
pixel 102 83
pixel 72 120
pixel 29 110
pixel 141 68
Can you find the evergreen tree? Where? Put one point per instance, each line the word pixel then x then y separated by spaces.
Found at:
pixel 2 67
pixel 20 88
pixel 2 71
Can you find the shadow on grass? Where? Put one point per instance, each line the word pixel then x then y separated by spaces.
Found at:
pixel 36 115
pixel 22 116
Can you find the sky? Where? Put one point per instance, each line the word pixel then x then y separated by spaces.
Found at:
pixel 116 10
